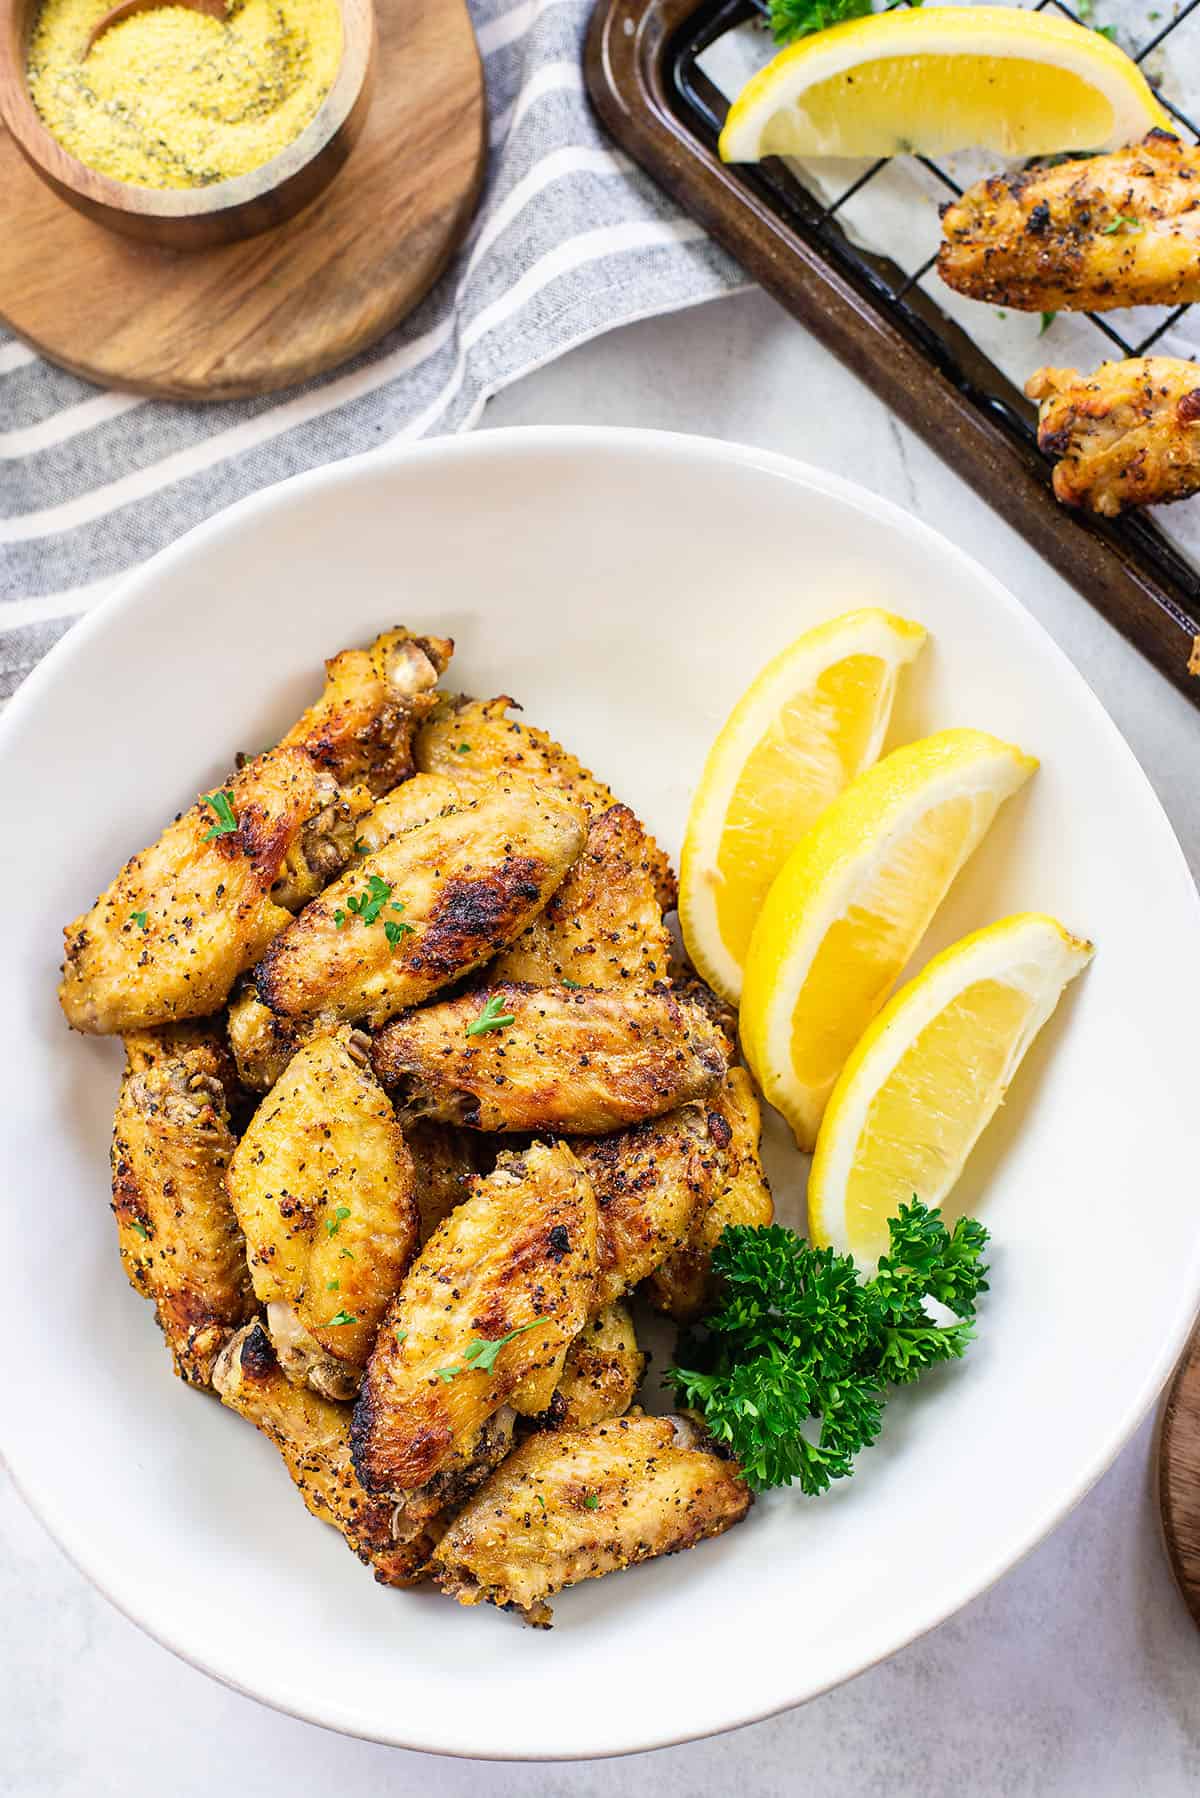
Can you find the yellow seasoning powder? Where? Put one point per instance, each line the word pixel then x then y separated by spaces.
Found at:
pixel 173 98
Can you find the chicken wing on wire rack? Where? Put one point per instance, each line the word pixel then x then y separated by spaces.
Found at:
pixel 871 234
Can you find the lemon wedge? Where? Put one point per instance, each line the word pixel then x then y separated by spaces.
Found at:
pixel 935 79
pixel 812 720
pixel 852 902
pixel 928 1075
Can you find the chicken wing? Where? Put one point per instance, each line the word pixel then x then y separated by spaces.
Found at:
pixel 323 1186
pixel 262 1042
pixel 1129 435
pixel 1088 235
pixel 475 745
pixel 483 1320
pixel 652 1184
pixel 518 1058
pixel 604 926
pixel 180 1242
pixel 185 917
pixel 362 727
pixel 600 1375
pixel 681 1285
pixel 428 907
pixel 570 1505
pixel 446 1161
pixel 313 1436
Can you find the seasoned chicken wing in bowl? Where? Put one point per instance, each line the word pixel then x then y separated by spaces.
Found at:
pixel 380 1139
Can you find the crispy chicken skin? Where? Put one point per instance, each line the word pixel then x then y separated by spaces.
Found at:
pixel 446 1161
pixel 184 917
pixel 313 1436
pixel 262 1042
pixel 601 1374
pixel 586 1062
pixel 362 727
pixel 324 1189
pixel 473 743
pixel 604 926
pixel 1128 435
pixel 651 1184
pixel 519 1255
pixel 571 1505
pixel 681 1285
pixel 456 890
pixel 1088 235
pixel 180 1243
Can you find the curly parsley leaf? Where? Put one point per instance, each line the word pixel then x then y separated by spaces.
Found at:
pixel 791 1370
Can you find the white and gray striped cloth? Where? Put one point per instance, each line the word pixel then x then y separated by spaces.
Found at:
pixel 571 240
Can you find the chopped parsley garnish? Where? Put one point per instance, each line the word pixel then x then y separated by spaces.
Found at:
pixel 798 1335
pixel 401 1337
pixel 222 806
pixel 140 1229
pixel 1108 31
pixel 576 986
pixel 492 1017
pixel 343 1317
pixel 333 1224
pixel 540 1500
pixel 462 749
pixel 139 918
pixel 332 1285
pixel 367 906
pixel 479 1356
pixel 1048 319
pixel 1120 223
pixel 592 1501
pixel 344 1254
pixel 361 848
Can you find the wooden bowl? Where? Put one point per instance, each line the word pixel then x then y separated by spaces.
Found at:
pixel 196 217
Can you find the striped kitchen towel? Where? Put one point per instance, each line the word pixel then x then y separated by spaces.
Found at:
pixel 570 240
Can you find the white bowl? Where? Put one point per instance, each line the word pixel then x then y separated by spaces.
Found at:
pixel 624 586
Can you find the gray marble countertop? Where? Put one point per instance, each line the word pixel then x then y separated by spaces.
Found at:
pixel 1078 1674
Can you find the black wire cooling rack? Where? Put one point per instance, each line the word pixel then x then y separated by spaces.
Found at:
pixel 645 77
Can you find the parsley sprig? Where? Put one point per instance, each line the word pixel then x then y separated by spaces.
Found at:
pixel 492 1017
pixel 791 19
pixel 367 906
pixel 222 807
pixel 479 1356
pixel 798 1336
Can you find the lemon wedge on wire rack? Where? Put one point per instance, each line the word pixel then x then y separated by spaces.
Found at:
pixel 934 79
pixel 852 902
pixel 928 1075
pixel 811 720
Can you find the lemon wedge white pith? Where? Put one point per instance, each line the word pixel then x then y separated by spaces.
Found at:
pixel 928 1075
pixel 936 79
pixel 813 718
pixel 851 904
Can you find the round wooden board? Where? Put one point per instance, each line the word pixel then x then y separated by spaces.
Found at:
pixel 1179 1474
pixel 252 317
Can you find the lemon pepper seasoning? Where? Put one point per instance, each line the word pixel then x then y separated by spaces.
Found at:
pixel 173 98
